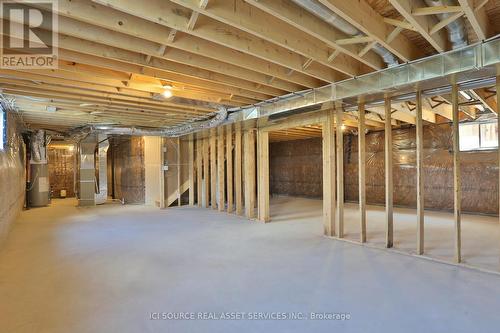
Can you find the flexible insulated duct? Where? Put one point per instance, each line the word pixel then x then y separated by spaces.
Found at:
pixel 456 29
pixel 333 19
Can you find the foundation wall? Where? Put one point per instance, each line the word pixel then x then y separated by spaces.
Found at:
pixel 12 177
pixel 296 169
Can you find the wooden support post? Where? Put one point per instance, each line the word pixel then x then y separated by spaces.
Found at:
pixel 199 171
pixel 179 185
pixel 220 169
pixel 389 235
pixel 329 174
pixel 457 190
pixel 237 169
pixel 229 168
pixel 162 174
pixel 263 175
pixel 498 126
pixel 420 175
pixel 191 169
pixel 206 173
pixel 249 169
pixel 339 111
pixel 213 168
pixel 362 170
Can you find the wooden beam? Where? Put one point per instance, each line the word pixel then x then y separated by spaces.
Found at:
pixel 354 40
pixel 362 170
pixel 191 169
pixel 478 19
pixel 263 175
pixel 457 186
pixel 498 126
pixel 229 168
pixel 399 23
pixel 434 10
pixel 441 24
pixel 366 19
pixel 206 173
pixel 199 171
pixel 420 175
pixel 213 168
pixel 329 174
pixel 237 169
pixel 339 112
pixel 422 24
pixel 249 169
pixel 389 234
pixel 162 174
pixel 220 169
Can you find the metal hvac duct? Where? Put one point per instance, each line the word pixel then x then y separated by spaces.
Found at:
pixel 456 29
pixel 333 19
pixel 102 155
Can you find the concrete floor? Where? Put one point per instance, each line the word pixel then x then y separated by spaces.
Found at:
pixel 105 269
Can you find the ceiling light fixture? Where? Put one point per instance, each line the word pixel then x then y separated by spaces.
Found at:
pixel 167 93
pixel 465 95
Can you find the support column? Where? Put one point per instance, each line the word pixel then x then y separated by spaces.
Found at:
pixel 220 169
pixel 237 170
pixel 420 175
pixel 339 111
pixel 191 169
pixel 362 170
pixel 263 175
pixel 213 168
pixel 457 190
pixel 229 168
pixel 206 172
pixel 162 174
pixel 329 175
pixel 249 169
pixel 498 126
pixel 199 171
pixel 389 235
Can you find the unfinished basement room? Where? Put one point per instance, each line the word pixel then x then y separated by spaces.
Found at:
pixel 249 166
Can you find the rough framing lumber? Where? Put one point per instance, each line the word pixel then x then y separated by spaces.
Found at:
pixel 263 175
pixel 199 171
pixel 498 124
pixel 238 194
pixel 206 173
pixel 162 174
pixel 213 168
pixel 362 170
pixel 220 169
pixel 457 190
pixel 339 112
pixel 229 168
pixel 420 175
pixel 249 170
pixel 179 169
pixel 389 235
pixel 329 174
pixel 477 18
pixel 191 169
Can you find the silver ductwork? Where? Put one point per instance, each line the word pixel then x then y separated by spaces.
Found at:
pixel 338 22
pixel 216 119
pixel 456 29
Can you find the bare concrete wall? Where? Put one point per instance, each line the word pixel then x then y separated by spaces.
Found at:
pixel 296 169
pixel 12 177
pixel 129 171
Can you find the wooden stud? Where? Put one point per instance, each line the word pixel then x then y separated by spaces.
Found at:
pixel 191 170
pixel 263 176
pixel 220 169
pixel 229 168
pixel 339 112
pixel 329 174
pixel 249 169
pixel 199 171
pixel 237 169
pixel 420 175
pixel 206 173
pixel 389 236
pixel 162 173
pixel 457 190
pixel 498 126
pixel 213 168
pixel 362 170
pixel 179 185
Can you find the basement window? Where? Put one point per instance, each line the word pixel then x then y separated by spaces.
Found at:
pixel 478 136
pixel 3 128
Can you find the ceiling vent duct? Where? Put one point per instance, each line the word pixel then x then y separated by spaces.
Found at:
pixel 456 29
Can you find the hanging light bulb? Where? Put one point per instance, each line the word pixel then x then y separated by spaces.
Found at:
pixel 167 93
